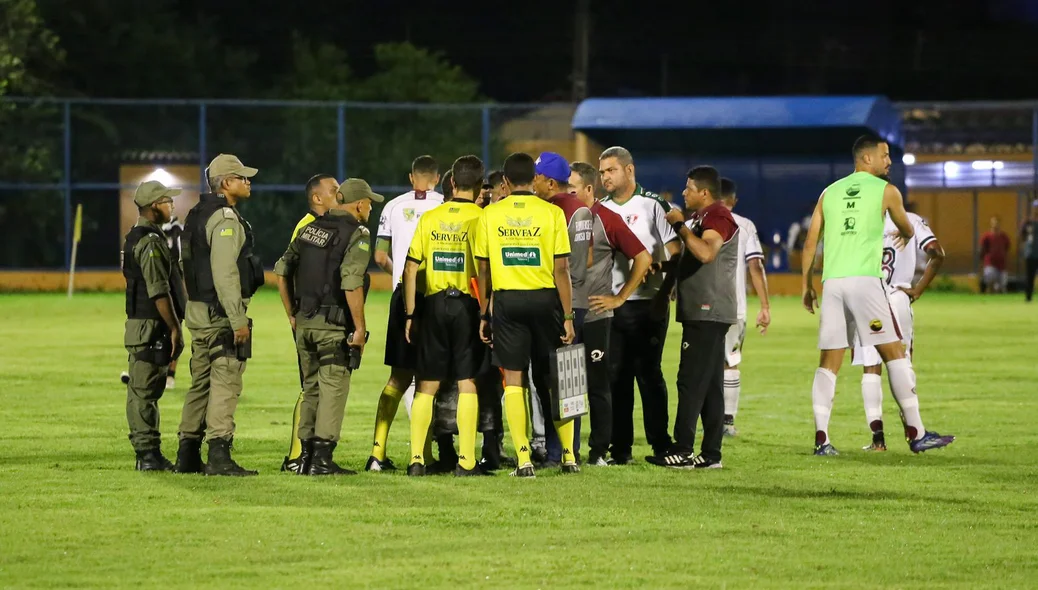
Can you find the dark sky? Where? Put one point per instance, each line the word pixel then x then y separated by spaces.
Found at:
pixel 523 51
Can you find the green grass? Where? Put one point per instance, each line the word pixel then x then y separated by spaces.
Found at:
pixel 73 512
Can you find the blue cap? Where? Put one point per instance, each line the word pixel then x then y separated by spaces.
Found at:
pixel 553 166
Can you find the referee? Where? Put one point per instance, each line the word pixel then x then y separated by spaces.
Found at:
pixel 522 249
pixel 449 348
pixel 707 307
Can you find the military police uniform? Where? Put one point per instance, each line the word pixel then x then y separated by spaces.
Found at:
pixel 222 273
pixel 151 274
pixel 327 258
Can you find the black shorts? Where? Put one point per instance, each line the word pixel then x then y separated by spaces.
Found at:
pixel 526 325
pixel 400 354
pixel 449 347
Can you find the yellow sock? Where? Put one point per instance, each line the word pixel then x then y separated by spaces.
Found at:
pixel 565 430
pixel 468 421
pixel 515 411
pixel 421 417
pixel 388 403
pixel 296 447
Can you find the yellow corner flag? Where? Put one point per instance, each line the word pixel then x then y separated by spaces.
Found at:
pixel 77 233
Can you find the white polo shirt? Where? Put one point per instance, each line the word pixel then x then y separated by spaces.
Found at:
pixel 399 221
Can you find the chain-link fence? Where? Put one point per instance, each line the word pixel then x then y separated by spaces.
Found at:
pixel 56 154
pixel 967 162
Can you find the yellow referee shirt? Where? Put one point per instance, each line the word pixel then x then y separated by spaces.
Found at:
pixel 522 236
pixel 305 221
pixel 444 240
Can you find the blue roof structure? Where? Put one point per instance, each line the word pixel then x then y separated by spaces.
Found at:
pixel 738 124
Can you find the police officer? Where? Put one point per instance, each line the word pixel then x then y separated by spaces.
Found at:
pixel 222 273
pixel 321 281
pixel 153 311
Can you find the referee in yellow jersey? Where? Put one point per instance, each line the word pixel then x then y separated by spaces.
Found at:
pixel 447 333
pixel 522 251
pixel 320 198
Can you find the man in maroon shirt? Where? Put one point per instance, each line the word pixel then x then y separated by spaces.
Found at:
pixel 994 248
pixel 707 307
pixel 609 235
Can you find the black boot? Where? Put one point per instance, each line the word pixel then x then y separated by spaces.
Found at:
pixel 322 463
pixel 152 460
pixel 301 464
pixel 220 461
pixel 189 456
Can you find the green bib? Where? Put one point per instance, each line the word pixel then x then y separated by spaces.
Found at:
pixel 852 242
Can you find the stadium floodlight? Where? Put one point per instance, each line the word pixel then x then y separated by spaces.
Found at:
pixel 951 169
pixel 908 159
pixel 162 176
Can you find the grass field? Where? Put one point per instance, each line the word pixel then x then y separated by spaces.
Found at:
pixel 73 513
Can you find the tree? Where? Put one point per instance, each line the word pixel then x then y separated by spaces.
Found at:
pixel 29 51
pixel 381 141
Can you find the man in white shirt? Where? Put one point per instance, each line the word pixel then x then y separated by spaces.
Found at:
pixel 751 257
pixel 396 227
pixel 898 266
pixel 638 333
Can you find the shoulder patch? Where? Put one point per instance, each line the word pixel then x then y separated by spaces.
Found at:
pixel 228 213
pixel 226 232
pixel 364 246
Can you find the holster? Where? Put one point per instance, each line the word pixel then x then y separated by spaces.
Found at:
pixel 159 351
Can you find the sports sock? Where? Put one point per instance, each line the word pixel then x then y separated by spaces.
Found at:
pixel 872 395
pixel 421 417
pixel 902 382
pixel 388 403
pixel 516 413
pixel 732 387
pixel 822 393
pixel 295 448
pixel 566 428
pixel 468 420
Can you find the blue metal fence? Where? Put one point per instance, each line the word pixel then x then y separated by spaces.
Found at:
pixel 55 152
pixel 82 141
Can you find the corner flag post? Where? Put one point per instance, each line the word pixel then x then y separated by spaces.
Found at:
pixel 77 233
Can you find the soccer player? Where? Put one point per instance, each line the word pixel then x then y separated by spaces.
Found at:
pixel 522 252
pixel 849 217
pixel 751 257
pixel 639 334
pixel 320 194
pixel 1029 244
pixel 994 249
pixel 610 237
pixel 447 333
pixel 496 180
pixel 396 228
pixel 898 267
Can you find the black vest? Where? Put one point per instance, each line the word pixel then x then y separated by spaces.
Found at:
pixel 198 269
pixel 138 305
pixel 322 246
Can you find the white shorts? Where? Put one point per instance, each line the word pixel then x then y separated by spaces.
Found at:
pixel 867 356
pixel 993 275
pixel 733 343
pixel 856 305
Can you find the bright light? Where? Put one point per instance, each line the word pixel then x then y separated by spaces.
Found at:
pixel 988 165
pixel 908 159
pixel 951 169
pixel 162 176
